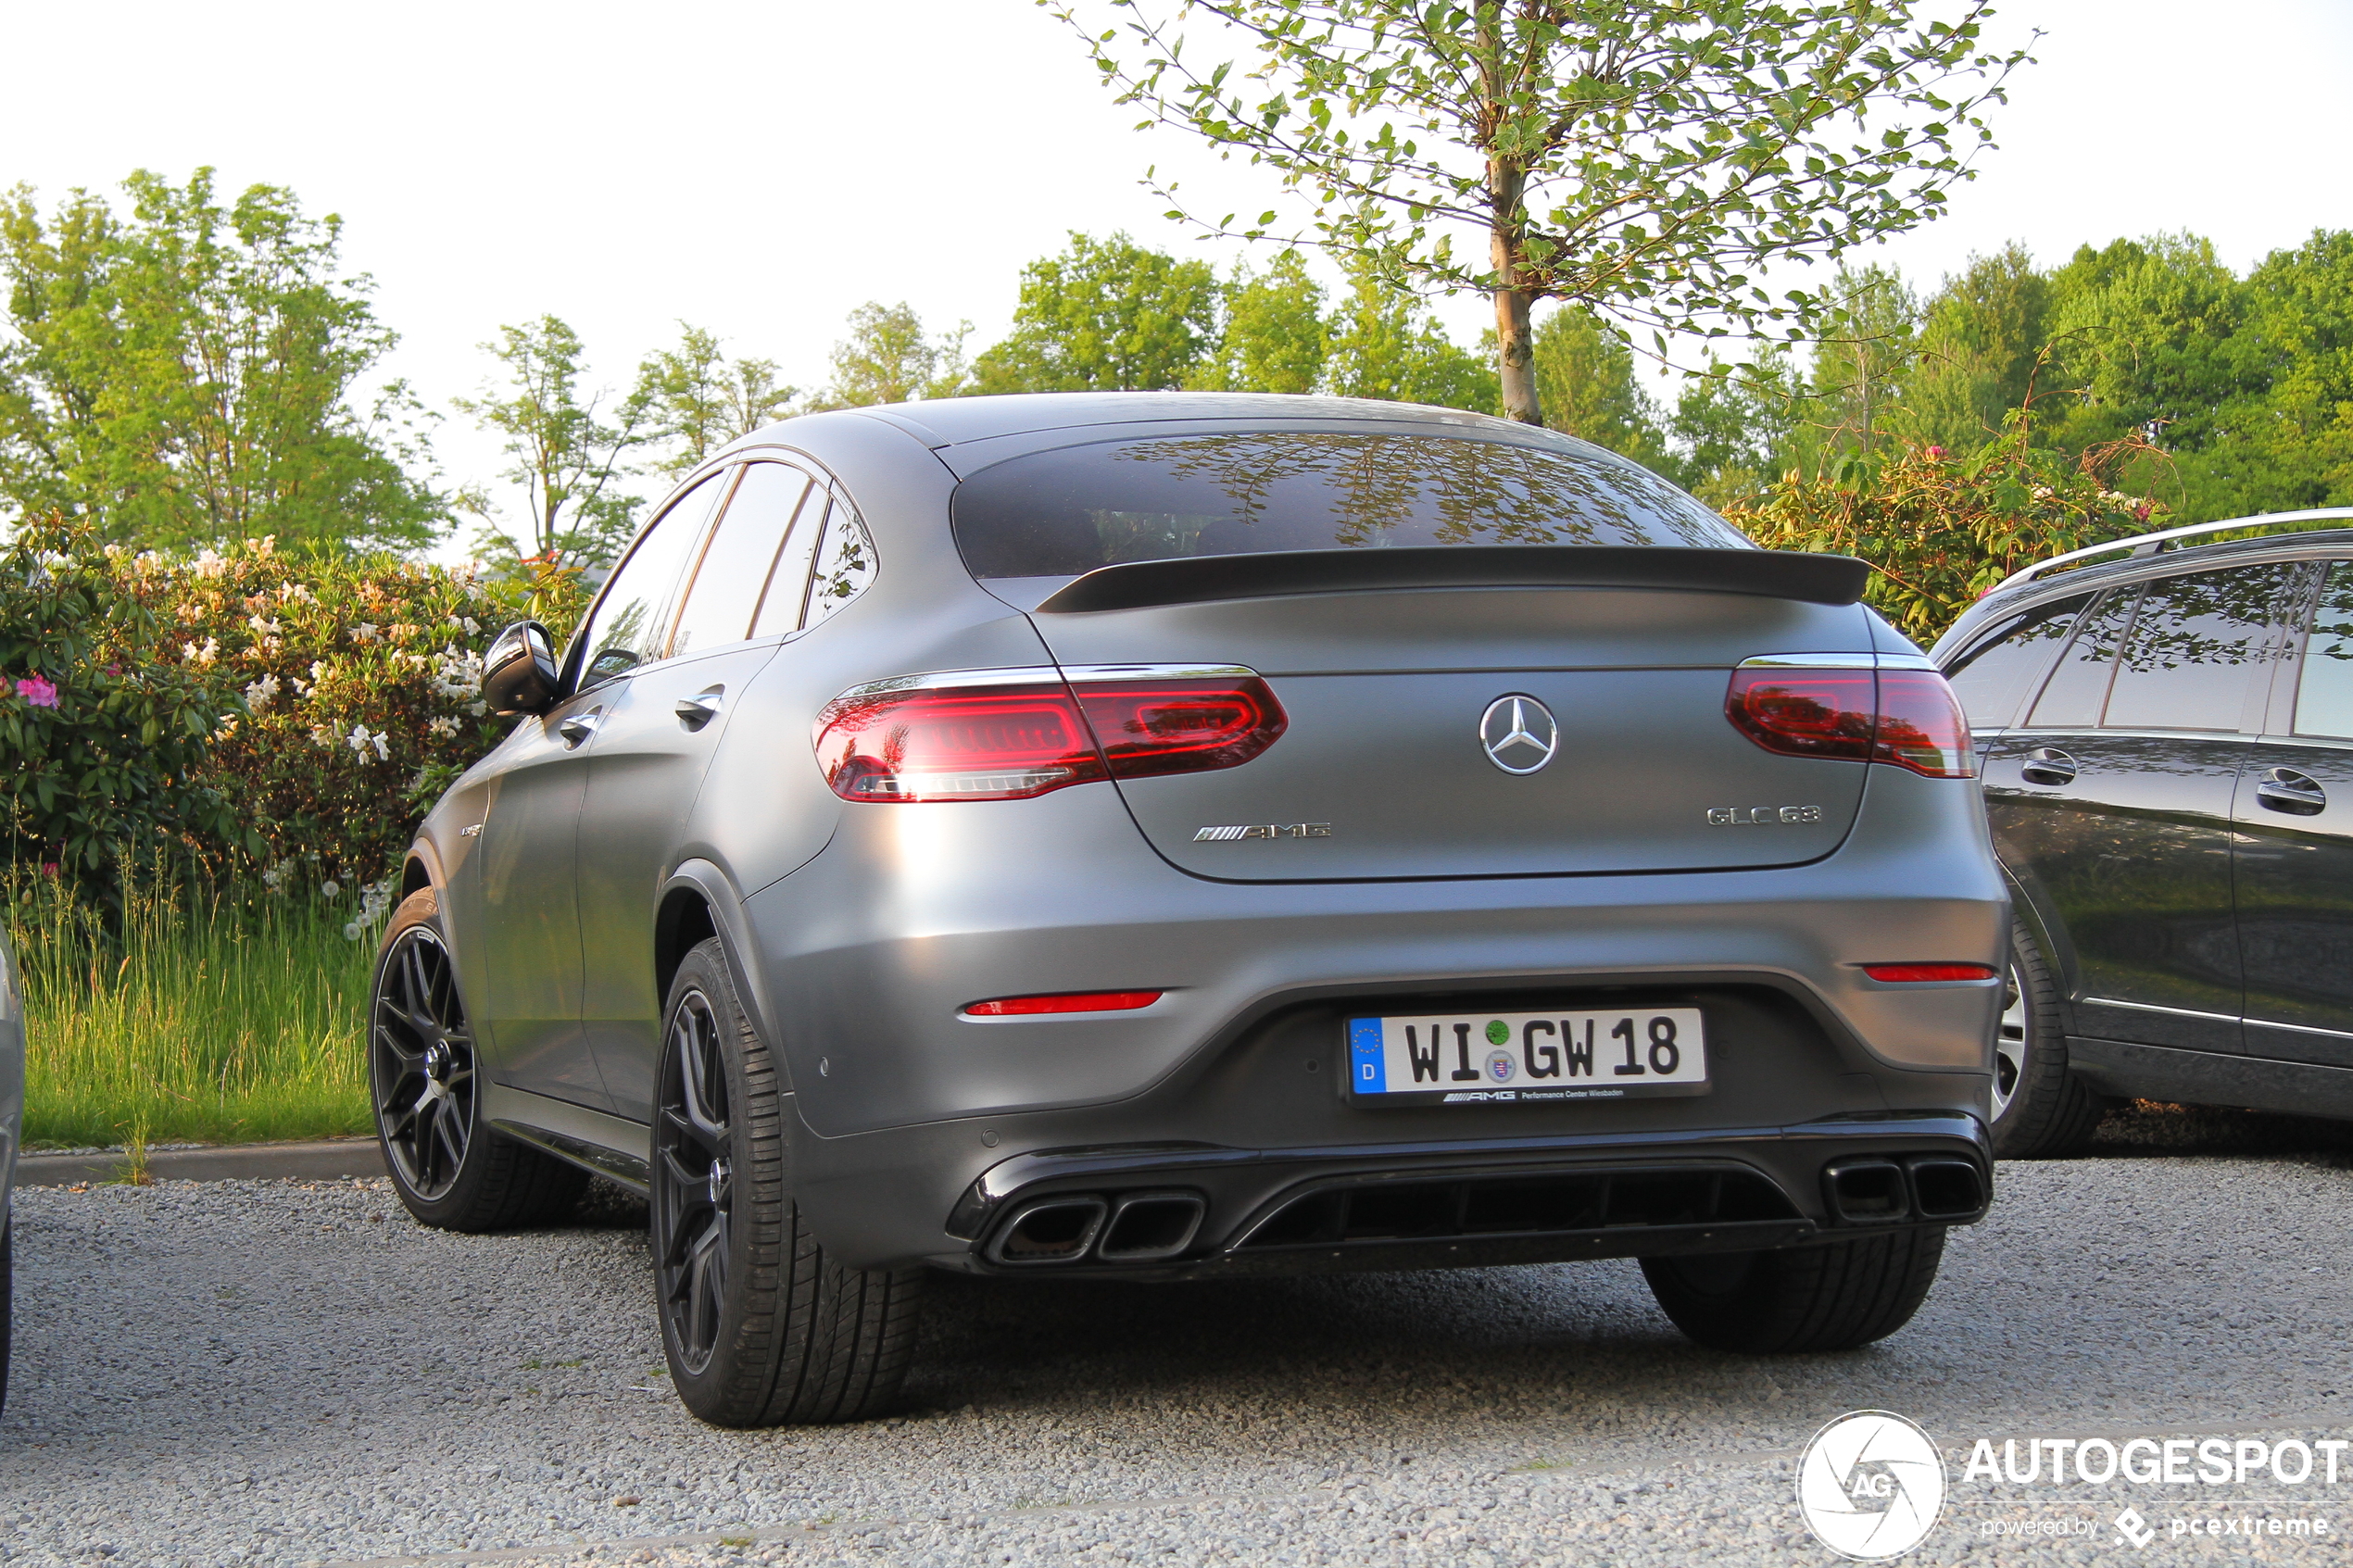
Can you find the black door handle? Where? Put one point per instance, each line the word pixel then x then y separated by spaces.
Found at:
pixel 700 708
pixel 2284 789
pixel 2048 766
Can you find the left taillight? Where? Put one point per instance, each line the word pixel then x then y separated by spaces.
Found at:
pixel 1908 718
pixel 1030 732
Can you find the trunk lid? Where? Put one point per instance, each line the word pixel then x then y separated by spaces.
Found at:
pixel 1384 772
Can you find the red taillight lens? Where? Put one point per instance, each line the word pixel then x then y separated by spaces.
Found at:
pixel 1069 1001
pixel 962 743
pixel 1905 717
pixel 1012 740
pixel 1924 974
pixel 1180 726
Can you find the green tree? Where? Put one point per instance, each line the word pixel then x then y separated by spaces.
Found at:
pixel 1105 315
pixel 1644 158
pixel 1980 350
pixel 1585 376
pixel 1860 363
pixel 1387 344
pixel 1734 427
pixel 1273 336
pixel 887 358
pixel 697 399
pixel 193 374
pixel 570 464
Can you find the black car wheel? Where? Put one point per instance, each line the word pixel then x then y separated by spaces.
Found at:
pixel 448 1168
pixel 2040 1110
pixel 1832 1297
pixel 759 1327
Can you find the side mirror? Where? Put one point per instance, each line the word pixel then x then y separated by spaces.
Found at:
pixel 518 674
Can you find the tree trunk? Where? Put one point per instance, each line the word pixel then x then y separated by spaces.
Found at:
pixel 1515 346
pixel 1517 356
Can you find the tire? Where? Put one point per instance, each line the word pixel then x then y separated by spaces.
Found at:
pixel 1832 1297
pixel 2040 1111
pixel 451 1171
pixel 7 1305
pixel 761 1327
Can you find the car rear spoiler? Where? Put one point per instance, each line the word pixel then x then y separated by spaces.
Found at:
pixel 1774 574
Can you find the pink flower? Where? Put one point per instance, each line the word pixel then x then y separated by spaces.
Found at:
pixel 37 692
pixel 1936 451
pixel 49 868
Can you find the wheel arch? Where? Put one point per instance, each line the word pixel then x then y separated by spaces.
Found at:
pixel 2050 933
pixel 698 903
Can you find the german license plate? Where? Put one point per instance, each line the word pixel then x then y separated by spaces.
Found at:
pixel 1472 1059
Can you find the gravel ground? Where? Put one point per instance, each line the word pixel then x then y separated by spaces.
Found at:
pixel 284 1373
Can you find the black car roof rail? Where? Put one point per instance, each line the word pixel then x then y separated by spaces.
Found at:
pixel 1777 574
pixel 2150 544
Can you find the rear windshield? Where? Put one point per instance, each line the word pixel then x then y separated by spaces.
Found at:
pixel 1239 493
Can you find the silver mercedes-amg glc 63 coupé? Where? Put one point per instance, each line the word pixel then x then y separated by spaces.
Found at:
pixel 1165 836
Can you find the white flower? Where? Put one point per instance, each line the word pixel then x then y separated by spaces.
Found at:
pixel 318 670
pixel 474 627
pixel 294 591
pixel 329 888
pixel 262 628
pixel 477 708
pixel 351 932
pixel 457 673
pixel 383 747
pixel 364 633
pixel 209 564
pixel 358 740
pixel 274 874
pixel 259 693
pixel 204 655
pixel 442 724
pixel 321 735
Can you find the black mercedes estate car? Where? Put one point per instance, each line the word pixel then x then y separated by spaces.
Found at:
pixel 2166 749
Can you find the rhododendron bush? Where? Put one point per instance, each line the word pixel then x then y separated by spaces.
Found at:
pixel 284 718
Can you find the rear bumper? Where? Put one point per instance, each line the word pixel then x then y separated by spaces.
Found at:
pixel 1193 1213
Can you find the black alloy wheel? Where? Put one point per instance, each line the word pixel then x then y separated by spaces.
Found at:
pixel 426 1073
pixel 421 1054
pixel 761 1327
pixel 694 1139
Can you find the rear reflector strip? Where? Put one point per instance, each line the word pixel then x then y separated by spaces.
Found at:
pixel 1926 973
pixel 1069 1001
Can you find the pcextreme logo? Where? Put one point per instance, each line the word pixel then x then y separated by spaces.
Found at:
pixel 1871 1485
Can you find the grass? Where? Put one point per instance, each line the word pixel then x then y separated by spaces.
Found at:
pixel 197 1020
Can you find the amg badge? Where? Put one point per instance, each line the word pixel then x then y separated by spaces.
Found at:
pixel 1262 830
pixel 1760 816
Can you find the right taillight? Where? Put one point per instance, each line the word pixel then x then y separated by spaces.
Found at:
pixel 1030 732
pixel 1908 718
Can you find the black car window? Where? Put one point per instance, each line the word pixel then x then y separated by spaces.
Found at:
pixel 1075 509
pixel 844 567
pixel 787 591
pixel 727 583
pixel 1993 676
pixel 627 627
pixel 2324 686
pixel 2071 699
pixel 2193 643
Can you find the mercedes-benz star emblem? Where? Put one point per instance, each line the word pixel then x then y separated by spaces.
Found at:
pixel 1518 733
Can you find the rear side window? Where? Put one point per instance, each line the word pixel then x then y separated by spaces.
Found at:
pixel 1237 493
pixel 845 564
pixel 2176 654
pixel 1995 675
pixel 752 535
pixel 2193 644
pixel 2324 687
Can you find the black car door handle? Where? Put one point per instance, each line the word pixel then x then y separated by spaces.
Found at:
pixel 700 708
pixel 579 727
pixel 2299 794
pixel 2048 766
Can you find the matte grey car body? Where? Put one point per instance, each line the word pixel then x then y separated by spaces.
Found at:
pixel 1374 859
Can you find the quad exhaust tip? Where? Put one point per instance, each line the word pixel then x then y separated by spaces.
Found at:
pixel 1137 1228
pixel 1937 1187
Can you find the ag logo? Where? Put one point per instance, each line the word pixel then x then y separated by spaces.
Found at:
pixel 1871 1485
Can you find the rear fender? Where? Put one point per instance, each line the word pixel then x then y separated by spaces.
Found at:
pixel 725 905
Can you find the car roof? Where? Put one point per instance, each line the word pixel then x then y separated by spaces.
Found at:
pixel 948 421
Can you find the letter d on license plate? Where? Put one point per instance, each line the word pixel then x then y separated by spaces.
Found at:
pixel 1472 1059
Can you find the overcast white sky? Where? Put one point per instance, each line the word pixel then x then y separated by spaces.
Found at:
pixel 760 168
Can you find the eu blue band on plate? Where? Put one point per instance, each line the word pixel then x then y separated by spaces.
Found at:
pixel 1368 1066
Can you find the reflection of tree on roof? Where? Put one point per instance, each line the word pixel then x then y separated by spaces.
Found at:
pixel 1380 490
